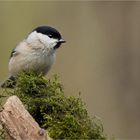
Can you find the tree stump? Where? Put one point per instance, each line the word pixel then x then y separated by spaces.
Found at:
pixel 18 123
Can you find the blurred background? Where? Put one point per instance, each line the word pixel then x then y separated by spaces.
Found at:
pixel 101 58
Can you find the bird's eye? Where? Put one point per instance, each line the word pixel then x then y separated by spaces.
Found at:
pixel 50 35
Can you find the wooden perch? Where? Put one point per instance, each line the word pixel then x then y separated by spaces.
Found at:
pixel 18 123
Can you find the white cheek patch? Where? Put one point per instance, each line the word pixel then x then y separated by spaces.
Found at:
pixel 44 39
pixel 47 41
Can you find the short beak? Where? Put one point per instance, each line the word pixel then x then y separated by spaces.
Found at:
pixel 62 40
pixel 59 43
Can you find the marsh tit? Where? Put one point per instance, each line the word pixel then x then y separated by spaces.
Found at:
pixel 36 52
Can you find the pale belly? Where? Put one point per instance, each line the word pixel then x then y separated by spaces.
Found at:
pixel 38 63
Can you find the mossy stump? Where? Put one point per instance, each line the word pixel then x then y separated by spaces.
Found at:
pixel 63 117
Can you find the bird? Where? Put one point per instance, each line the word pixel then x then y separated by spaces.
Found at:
pixel 37 53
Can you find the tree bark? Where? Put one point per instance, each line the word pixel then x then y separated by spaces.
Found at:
pixel 18 123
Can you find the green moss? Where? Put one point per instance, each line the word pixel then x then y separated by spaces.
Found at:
pixel 63 117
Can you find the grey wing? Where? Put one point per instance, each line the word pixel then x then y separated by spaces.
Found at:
pixel 13 53
pixel 16 51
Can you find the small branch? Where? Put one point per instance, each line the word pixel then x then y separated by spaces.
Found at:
pixel 18 123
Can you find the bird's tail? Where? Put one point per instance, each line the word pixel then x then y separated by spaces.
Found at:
pixel 9 83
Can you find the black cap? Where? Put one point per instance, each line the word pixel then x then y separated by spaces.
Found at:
pixel 47 30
